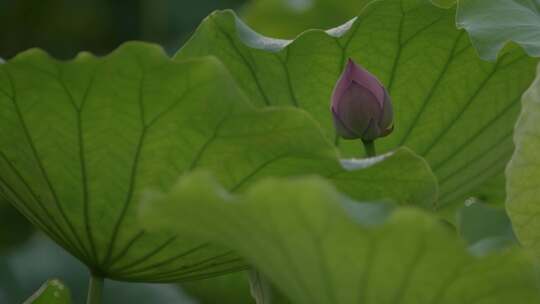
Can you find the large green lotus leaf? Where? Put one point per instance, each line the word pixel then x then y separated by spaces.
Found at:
pixel 297 234
pixel 81 140
pixel 492 191
pixel 286 19
pixel 444 3
pixel 523 173
pixel 492 23
pixel 451 107
pixel 227 289
pixel 16 228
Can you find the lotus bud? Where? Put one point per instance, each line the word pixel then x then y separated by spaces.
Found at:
pixel 361 106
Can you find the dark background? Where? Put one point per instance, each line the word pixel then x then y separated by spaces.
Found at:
pixel 65 27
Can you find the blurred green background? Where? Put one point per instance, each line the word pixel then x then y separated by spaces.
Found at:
pixel 65 27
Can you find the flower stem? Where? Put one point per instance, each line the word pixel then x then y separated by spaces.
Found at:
pixel 95 289
pixel 260 287
pixel 369 147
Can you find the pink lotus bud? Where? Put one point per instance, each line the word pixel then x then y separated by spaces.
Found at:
pixel 361 106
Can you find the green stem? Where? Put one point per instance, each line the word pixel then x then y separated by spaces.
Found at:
pixel 369 146
pixel 261 290
pixel 95 289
